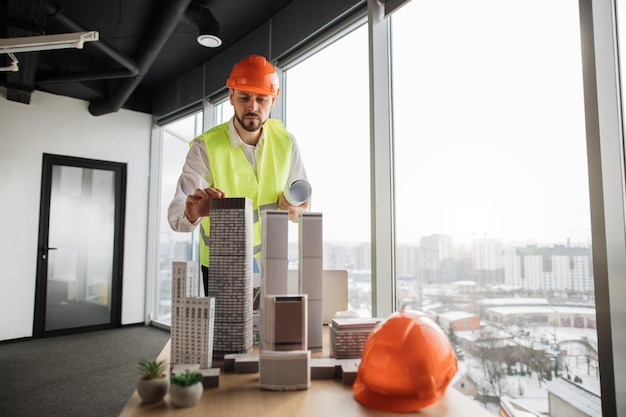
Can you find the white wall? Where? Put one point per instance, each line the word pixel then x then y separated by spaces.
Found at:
pixel 63 126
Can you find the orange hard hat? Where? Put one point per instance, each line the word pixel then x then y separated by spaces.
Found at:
pixel 254 74
pixel 406 364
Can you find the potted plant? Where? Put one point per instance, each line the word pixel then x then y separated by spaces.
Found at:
pixel 153 384
pixel 186 388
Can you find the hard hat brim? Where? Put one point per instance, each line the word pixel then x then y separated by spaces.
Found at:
pixel 390 403
pixel 252 89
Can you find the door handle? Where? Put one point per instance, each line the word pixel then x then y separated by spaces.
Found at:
pixel 44 251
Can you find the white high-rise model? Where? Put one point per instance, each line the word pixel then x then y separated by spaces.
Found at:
pixel 192 318
pixel 274 252
pixel 310 274
pixel 310 270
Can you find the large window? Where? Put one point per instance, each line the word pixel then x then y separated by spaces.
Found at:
pixel 173 246
pixel 489 210
pixel 492 194
pixel 327 109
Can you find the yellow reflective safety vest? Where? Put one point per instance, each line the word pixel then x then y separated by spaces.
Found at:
pixel 233 174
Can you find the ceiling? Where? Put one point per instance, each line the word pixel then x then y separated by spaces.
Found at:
pixel 142 45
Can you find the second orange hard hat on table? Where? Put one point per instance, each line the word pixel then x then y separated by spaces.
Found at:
pixel 406 364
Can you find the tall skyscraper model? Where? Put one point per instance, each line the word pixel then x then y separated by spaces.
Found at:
pixel 192 318
pixel 310 273
pixel 230 274
pixel 274 252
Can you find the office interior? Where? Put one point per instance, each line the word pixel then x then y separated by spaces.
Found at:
pixel 62 125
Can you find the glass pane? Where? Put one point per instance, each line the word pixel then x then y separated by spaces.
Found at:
pixel 223 112
pixel 80 259
pixel 492 200
pixel 173 246
pixel 327 111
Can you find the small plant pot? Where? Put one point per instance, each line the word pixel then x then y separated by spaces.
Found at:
pixel 188 396
pixel 152 390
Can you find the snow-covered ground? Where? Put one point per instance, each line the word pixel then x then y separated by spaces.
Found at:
pixel 527 390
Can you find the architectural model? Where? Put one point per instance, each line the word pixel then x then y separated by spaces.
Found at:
pixel 230 274
pixel 285 371
pixel 274 252
pixel 284 358
pixel 348 336
pixel 285 323
pixel 310 274
pixel 192 318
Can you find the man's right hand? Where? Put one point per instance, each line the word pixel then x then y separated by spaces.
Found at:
pixel 199 203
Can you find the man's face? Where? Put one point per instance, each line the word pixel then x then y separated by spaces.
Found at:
pixel 251 109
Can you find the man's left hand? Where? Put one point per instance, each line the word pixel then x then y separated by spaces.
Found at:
pixel 294 211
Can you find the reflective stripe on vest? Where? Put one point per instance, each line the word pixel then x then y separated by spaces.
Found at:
pixel 233 174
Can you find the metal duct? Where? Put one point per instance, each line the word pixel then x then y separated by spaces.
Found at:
pixel 160 33
pixel 55 12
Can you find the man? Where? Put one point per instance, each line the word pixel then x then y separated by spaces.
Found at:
pixel 249 156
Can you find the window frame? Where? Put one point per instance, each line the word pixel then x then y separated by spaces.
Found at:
pixel 605 146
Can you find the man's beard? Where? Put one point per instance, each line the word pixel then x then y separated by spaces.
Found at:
pixel 251 126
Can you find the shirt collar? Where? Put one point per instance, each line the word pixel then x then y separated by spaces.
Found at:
pixel 235 139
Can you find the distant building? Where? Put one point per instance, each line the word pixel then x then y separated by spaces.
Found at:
pixel 459 321
pixel 335 256
pixel 558 268
pixel 362 255
pixel 408 261
pixel 447 317
pixel 488 263
pixel 537 312
pixel 192 318
pixel 435 249
pixel 568 399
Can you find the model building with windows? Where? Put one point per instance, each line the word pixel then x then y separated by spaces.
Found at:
pixel 285 323
pixel 274 252
pixel 311 269
pixel 192 318
pixel 230 274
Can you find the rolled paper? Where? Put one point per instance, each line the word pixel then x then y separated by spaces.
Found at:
pixel 297 192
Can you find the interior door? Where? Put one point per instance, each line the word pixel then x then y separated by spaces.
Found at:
pixel 79 265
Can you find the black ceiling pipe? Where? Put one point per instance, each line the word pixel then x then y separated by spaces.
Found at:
pixel 55 12
pixel 200 16
pixel 160 33
pixel 55 78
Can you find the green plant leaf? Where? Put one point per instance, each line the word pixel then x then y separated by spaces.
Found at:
pixel 186 378
pixel 152 369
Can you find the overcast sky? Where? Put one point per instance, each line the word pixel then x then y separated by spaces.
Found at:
pixel 489 123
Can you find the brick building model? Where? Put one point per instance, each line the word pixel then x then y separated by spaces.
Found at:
pixel 230 274
pixel 192 318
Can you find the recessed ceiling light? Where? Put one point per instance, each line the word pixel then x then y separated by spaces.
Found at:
pixel 209 41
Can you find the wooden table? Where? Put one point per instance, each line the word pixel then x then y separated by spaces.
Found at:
pixel 239 395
